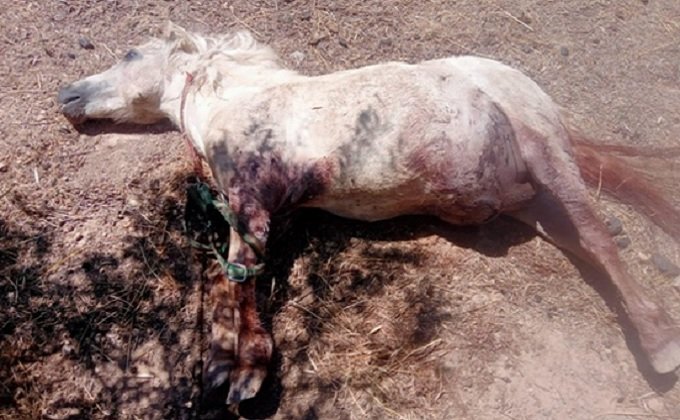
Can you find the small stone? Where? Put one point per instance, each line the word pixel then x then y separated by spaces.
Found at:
pixel 297 56
pixel 564 51
pixel 67 349
pixel 3 167
pixel 622 242
pixel 614 225
pixel 665 265
pixel 85 43
pixel 655 404
pixel 676 282
pixel 71 55
pixel 385 43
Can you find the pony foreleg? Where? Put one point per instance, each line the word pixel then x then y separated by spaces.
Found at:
pixel 240 347
pixel 226 322
pixel 254 349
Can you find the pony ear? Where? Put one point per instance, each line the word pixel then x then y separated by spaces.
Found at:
pixel 184 41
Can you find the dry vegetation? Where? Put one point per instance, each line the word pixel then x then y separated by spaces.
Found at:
pixel 102 305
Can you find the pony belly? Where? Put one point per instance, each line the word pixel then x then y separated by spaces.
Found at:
pixel 361 207
pixel 373 204
pixel 461 207
pixel 484 206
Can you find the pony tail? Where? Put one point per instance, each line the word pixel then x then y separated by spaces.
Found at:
pixel 642 178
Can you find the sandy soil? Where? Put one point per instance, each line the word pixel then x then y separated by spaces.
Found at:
pixel 100 294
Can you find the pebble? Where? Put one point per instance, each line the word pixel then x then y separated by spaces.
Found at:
pixel 3 167
pixel 676 282
pixel 665 265
pixel 71 56
pixel 67 349
pixel 622 242
pixel 655 404
pixel 297 56
pixel 564 51
pixel 614 225
pixel 85 43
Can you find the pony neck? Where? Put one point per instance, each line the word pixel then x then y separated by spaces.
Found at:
pixel 190 92
pixel 171 100
pixel 177 103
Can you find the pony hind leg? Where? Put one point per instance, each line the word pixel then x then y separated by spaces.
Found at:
pixel 560 211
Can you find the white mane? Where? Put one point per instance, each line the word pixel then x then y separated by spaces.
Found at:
pixel 233 56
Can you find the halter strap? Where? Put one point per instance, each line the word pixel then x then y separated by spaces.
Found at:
pixel 194 156
pixel 183 100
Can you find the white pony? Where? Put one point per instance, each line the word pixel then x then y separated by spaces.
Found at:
pixel 462 138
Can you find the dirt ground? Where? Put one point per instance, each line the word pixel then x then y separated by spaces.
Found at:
pixel 102 305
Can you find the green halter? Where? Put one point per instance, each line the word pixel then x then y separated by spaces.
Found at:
pixel 235 272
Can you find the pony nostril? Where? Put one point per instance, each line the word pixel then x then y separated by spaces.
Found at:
pixel 67 95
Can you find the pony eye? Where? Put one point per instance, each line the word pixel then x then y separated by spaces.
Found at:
pixel 132 55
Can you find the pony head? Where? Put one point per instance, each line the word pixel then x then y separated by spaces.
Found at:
pixel 132 90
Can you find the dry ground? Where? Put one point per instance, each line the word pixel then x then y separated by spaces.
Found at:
pixel 102 306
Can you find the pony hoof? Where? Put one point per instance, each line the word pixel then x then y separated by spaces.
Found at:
pixel 216 375
pixel 666 358
pixel 245 384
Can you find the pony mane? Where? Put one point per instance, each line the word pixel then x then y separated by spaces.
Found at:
pixel 239 48
pixel 237 54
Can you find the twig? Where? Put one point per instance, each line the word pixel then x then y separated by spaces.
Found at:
pixel 427 346
pixel 599 185
pixel 629 414
pixel 22 91
pixel 384 407
pixel 311 361
pixel 363 412
pixel 106 47
pixel 508 14
pixel 7 191
pixel 302 308
pixel 242 22
pixel 128 353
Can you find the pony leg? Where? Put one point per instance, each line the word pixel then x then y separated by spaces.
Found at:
pixel 226 324
pixel 560 211
pixel 240 347
pixel 254 348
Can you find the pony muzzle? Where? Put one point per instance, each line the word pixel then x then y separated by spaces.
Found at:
pixel 73 99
